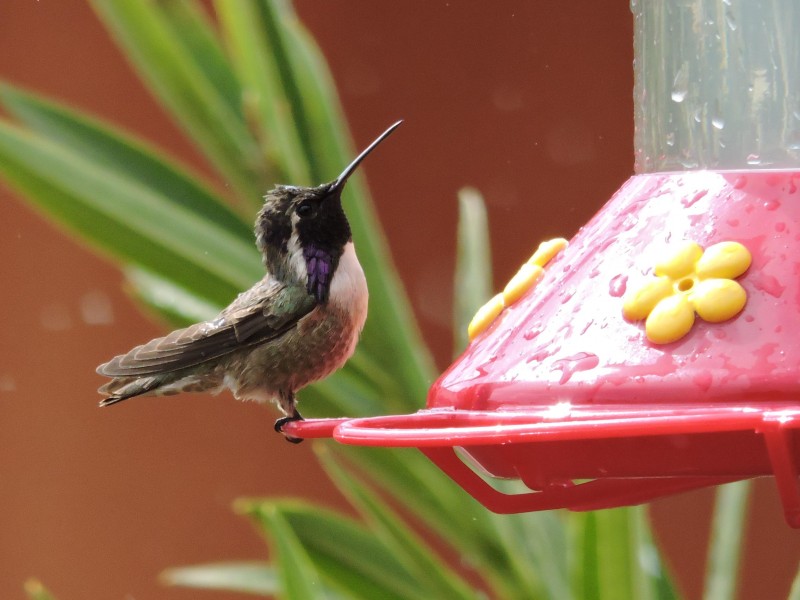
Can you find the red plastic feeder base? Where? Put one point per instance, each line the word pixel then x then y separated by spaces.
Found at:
pixel 592 410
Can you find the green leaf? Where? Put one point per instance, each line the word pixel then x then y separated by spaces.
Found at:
pixel 794 592
pixel 176 72
pixel 398 470
pixel 587 566
pixel 127 219
pixel 535 545
pixel 36 591
pixel 446 509
pixel 343 393
pixel 609 555
pixel 274 16
pixel 725 542
pixel 652 579
pixel 347 556
pixel 174 304
pixel 617 558
pixel 246 577
pixel 473 279
pixel 255 43
pixel 123 155
pixel 298 577
pixel 424 566
pixel 190 24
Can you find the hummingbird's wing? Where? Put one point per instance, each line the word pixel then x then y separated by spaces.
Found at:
pixel 263 313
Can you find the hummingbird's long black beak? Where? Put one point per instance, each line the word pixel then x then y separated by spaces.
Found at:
pixel 342 179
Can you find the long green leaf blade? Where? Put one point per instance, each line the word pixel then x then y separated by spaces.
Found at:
pixel 535 545
pixel 473 279
pixel 651 578
pixel 36 591
pixel 198 36
pixel 794 591
pixel 245 577
pixel 179 80
pixel 298 577
pixel 255 45
pixel 273 15
pixel 426 568
pixel 611 558
pixel 615 554
pixel 127 157
pixel 441 504
pixel 586 566
pixel 725 542
pixel 617 558
pixel 172 303
pixel 128 220
pixel 346 554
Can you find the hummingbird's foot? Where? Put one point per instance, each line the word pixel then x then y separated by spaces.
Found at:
pixel 295 416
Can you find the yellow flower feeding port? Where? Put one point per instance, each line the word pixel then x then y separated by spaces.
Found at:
pixel 524 280
pixel 688 281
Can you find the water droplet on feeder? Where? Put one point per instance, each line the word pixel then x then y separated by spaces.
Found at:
pixel 582 361
pixel 768 284
pixel 687 202
pixel 618 285
pixel 680 85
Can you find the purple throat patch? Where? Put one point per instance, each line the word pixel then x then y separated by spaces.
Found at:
pixel 319 266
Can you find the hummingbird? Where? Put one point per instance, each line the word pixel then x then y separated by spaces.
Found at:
pixel 297 325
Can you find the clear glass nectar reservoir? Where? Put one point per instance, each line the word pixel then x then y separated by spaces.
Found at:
pixel 717 84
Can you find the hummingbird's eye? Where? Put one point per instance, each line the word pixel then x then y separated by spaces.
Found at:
pixel 304 210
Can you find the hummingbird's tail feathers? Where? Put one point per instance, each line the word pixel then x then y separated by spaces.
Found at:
pixel 163 384
pixel 122 388
pixel 111 400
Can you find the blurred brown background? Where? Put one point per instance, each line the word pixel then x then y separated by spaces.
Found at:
pixel 528 101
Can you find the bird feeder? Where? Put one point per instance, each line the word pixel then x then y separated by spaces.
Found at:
pixel 657 351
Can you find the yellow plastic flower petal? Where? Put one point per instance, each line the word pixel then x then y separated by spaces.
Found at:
pixel 485 315
pixel 546 251
pixel 690 281
pixel 670 320
pixel 682 262
pixel 726 260
pixel 637 305
pixel 521 282
pixel 717 300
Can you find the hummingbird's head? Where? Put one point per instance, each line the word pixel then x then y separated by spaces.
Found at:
pixel 302 231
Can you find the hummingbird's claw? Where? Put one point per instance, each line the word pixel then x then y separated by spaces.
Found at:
pixel 296 416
